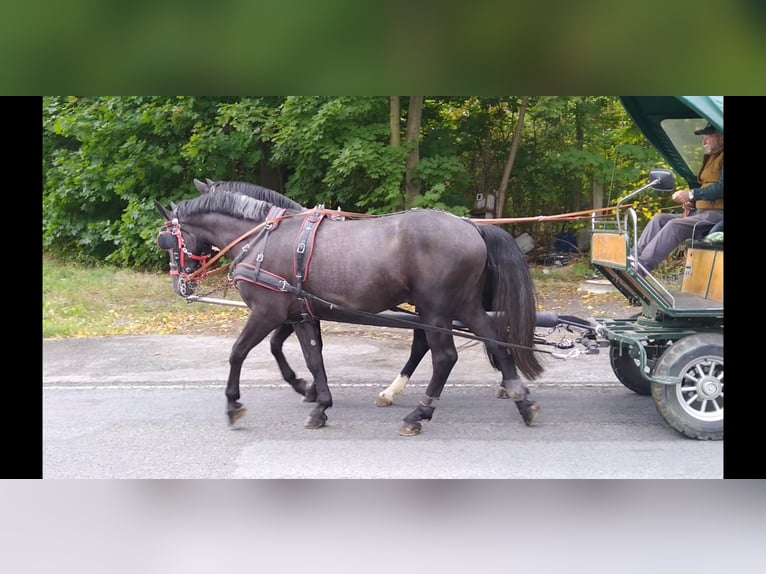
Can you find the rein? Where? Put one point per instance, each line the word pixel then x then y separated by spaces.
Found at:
pixel 417 324
pixel 572 216
pixel 268 224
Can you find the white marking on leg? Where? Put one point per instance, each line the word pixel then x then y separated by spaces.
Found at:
pixel 386 397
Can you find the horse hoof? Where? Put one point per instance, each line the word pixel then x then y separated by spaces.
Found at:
pixel 529 412
pixel 410 429
pixel 237 414
pixel 316 422
pixel 382 401
pixel 502 393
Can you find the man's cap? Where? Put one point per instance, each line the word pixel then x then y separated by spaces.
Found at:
pixel 708 129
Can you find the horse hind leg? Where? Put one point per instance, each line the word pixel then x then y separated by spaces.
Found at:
pixel 300 386
pixel 527 409
pixel 443 357
pixel 518 392
pixel 418 350
pixel 502 390
pixel 511 386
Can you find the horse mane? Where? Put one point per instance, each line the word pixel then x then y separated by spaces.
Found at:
pixel 232 204
pixel 258 192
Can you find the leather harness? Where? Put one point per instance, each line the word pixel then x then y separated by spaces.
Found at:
pixel 304 249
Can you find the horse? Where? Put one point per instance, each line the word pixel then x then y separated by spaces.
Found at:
pixel 418 349
pixel 290 265
pixel 281 333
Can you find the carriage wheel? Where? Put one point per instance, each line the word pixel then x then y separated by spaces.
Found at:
pixel 627 370
pixel 694 407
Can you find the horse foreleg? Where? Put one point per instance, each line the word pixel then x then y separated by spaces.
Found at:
pixel 443 357
pixel 310 338
pixel 418 350
pixel 300 386
pixel 253 333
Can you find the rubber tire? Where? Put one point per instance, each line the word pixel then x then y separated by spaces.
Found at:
pixel 699 353
pixel 627 371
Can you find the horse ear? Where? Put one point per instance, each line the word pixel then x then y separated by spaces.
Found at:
pixel 173 205
pixel 164 212
pixel 209 181
pixel 201 187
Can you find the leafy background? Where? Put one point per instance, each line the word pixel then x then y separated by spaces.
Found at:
pixel 106 159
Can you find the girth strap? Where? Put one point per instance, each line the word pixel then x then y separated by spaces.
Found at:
pixel 304 249
pixel 304 245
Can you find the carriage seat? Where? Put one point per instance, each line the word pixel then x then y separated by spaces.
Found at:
pixel 703 272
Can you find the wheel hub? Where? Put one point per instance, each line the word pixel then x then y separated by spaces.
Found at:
pixel 709 388
pixel 701 391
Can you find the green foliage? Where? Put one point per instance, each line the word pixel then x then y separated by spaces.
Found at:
pixel 442 178
pixel 107 159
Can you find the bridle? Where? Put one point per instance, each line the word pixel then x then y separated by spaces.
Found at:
pixel 183 263
pixel 171 239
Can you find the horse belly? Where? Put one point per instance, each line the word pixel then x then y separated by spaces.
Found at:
pixel 357 283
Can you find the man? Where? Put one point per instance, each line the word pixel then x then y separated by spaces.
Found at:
pixel 703 207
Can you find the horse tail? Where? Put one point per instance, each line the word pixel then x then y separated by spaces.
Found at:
pixel 510 291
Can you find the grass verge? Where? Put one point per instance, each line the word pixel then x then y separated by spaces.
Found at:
pixel 102 302
pixel 107 302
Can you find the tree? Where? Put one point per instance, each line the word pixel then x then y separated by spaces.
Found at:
pixel 501 194
pixel 395 116
pixel 107 159
pixel 414 116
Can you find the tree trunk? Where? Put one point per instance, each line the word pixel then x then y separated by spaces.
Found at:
pixel 395 114
pixel 503 191
pixel 414 116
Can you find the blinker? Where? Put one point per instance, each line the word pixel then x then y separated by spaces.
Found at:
pixel 167 241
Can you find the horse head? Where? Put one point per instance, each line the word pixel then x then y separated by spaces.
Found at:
pixel 186 252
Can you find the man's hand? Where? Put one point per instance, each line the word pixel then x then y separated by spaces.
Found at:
pixel 681 196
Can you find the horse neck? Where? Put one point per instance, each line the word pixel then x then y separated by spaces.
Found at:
pixel 221 230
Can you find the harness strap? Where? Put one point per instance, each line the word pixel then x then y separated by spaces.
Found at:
pixel 256 276
pixel 304 249
pixel 274 216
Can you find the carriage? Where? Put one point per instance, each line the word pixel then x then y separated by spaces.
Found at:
pixel 672 349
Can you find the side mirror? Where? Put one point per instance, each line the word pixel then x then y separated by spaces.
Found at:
pixel 665 180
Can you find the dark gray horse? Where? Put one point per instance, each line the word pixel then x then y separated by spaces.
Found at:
pixel 418 349
pixel 280 335
pixel 436 261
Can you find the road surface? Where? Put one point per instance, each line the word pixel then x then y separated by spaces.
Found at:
pixel 154 407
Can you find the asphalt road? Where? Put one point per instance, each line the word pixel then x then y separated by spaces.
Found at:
pixel 154 407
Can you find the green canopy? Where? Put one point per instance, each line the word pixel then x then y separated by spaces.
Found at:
pixel 650 111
